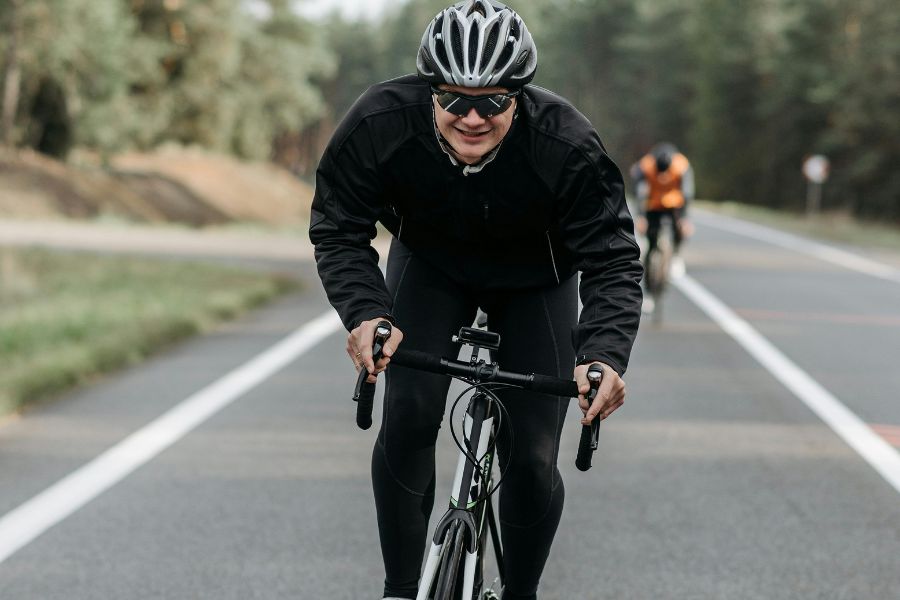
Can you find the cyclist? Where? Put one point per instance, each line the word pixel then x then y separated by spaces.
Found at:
pixel 497 194
pixel 664 184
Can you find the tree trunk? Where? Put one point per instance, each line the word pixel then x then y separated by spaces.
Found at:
pixel 12 74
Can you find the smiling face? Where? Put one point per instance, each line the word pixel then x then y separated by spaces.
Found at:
pixel 472 136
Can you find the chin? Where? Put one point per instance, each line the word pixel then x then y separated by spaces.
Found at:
pixel 472 153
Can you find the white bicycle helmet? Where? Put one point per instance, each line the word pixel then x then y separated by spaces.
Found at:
pixel 477 43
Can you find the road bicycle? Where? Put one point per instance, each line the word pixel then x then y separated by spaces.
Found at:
pixel 659 265
pixel 454 568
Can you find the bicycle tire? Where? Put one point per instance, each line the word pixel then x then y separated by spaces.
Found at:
pixel 448 573
pixel 656 272
pixel 478 584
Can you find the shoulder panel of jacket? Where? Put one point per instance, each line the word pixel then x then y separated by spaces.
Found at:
pixel 680 164
pixel 386 106
pixel 648 166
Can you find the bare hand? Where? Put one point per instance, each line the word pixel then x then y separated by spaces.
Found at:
pixel 359 348
pixel 610 396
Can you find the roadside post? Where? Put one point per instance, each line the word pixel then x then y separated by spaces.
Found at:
pixel 815 169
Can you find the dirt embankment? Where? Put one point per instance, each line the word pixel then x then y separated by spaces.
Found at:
pixel 180 185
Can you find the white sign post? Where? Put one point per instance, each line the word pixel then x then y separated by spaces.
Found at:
pixel 815 169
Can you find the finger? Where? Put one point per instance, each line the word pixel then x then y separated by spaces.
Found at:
pixel 364 353
pixel 597 406
pixel 354 359
pixel 613 405
pixel 608 384
pixel 583 405
pixel 583 390
pixel 392 343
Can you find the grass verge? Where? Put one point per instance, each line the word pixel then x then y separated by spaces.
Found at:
pixel 836 227
pixel 66 318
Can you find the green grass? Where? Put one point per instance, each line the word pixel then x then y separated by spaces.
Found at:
pixel 838 227
pixel 65 318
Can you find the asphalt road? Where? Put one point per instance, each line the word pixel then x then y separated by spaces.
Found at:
pixel 713 481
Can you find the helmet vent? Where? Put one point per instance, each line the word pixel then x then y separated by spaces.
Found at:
pixel 473 48
pixel 456 41
pixel 514 29
pixel 477 7
pixel 491 43
pixel 506 55
pixel 441 57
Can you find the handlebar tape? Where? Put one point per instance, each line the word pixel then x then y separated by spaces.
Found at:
pixel 585 452
pixel 554 386
pixel 365 398
pixel 414 359
pixel 590 434
pixel 364 393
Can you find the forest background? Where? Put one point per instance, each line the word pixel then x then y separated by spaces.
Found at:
pixel 747 89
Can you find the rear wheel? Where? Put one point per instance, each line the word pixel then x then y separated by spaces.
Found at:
pixel 658 264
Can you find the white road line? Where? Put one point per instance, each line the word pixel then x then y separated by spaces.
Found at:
pixel 798 244
pixel 23 524
pixel 876 451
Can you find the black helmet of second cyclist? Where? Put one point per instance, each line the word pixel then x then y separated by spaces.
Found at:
pixel 477 43
pixel 663 152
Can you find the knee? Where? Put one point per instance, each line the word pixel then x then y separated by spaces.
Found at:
pixel 531 484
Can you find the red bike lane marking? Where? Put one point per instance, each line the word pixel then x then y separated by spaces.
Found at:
pixel 890 433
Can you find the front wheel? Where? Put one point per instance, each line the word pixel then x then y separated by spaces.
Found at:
pixel 450 570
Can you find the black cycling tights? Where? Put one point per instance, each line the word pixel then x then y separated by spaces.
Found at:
pixel 654 223
pixel 535 328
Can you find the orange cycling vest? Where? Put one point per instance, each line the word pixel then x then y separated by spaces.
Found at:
pixel 665 188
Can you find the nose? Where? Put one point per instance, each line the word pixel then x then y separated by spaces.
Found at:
pixel 472 118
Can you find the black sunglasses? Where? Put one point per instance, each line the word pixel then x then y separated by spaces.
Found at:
pixel 486 106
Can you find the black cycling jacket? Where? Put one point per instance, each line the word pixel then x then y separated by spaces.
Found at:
pixel 551 203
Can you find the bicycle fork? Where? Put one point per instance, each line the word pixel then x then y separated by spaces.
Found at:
pixel 470 485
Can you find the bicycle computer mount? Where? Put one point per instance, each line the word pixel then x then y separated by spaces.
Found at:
pixel 479 338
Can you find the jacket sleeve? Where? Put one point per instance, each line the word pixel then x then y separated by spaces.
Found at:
pixel 597 230
pixel 347 201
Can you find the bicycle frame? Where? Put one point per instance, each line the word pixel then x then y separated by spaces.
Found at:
pixel 471 509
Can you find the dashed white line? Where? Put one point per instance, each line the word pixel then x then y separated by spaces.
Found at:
pixel 873 449
pixel 25 523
